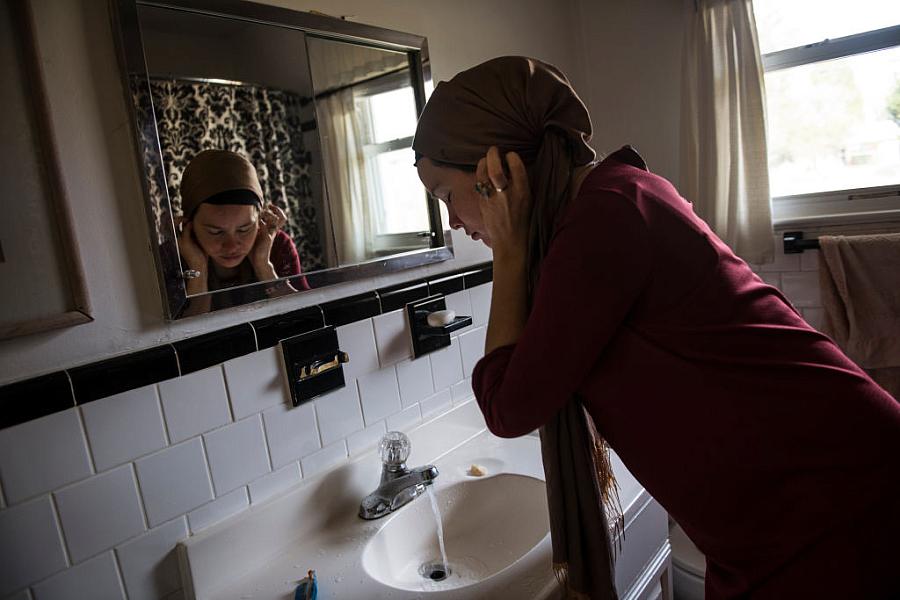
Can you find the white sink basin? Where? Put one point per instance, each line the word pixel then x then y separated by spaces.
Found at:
pixel 489 525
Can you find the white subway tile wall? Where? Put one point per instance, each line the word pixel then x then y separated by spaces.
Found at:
pixel 274 483
pixel 360 336
pixel 30 544
pixel 415 380
pixel 149 564
pixel 446 365
pixel 339 414
pixel 111 487
pixel 392 337
pixel 219 509
pixel 124 426
pixel 291 433
pixel 195 403
pixel 98 513
pixel 322 460
pixel 379 394
pixel 237 454
pixel 94 578
pixel 174 481
pixel 42 455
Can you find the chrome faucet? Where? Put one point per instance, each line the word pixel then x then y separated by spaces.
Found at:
pixel 399 485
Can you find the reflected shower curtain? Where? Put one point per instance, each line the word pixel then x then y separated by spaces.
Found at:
pixel 343 134
pixel 724 163
pixel 263 124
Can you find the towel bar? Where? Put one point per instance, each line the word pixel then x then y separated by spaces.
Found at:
pixel 795 244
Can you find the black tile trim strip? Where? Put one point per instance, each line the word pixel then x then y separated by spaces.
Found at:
pixel 351 309
pixel 398 296
pixel 446 285
pixel 272 329
pixel 213 348
pixel 35 398
pixel 116 375
pixel 45 395
pixel 482 275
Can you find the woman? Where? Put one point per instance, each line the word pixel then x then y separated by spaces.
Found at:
pixel 776 454
pixel 227 237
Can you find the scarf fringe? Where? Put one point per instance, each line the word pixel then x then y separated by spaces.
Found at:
pixel 561 572
pixel 609 492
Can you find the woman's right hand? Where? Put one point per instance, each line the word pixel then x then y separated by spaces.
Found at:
pixel 192 254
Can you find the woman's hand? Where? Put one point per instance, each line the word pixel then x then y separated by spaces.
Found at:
pixel 192 255
pixel 271 219
pixel 506 207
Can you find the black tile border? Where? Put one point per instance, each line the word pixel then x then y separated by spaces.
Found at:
pixel 447 285
pixel 122 373
pixel 351 309
pixel 47 394
pixel 398 296
pixel 216 347
pixel 272 329
pixel 35 398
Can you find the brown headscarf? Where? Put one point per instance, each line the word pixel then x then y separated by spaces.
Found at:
pixel 213 173
pixel 527 106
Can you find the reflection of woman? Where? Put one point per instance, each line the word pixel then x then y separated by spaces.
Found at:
pixel 227 237
pixel 615 306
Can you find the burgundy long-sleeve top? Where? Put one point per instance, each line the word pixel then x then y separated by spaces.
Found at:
pixel 759 436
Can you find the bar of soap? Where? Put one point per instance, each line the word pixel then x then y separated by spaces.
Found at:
pixel 476 471
pixel 439 318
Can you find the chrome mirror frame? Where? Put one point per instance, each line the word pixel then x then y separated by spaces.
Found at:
pixel 136 85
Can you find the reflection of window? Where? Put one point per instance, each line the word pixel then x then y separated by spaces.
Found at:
pixel 832 104
pixel 401 214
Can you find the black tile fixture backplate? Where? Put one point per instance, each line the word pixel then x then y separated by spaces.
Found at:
pixel 307 350
pixel 34 398
pixel 116 375
pixel 426 339
pixel 398 296
pixel 352 309
pixel 271 330
pixel 214 348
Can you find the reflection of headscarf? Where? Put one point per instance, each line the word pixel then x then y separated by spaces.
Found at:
pixel 527 106
pixel 219 177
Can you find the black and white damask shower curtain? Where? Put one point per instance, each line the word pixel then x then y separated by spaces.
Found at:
pixel 261 123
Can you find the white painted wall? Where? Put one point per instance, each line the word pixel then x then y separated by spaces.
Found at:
pixel 101 174
pixel 632 55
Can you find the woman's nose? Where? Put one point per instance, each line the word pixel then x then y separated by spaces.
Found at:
pixel 455 222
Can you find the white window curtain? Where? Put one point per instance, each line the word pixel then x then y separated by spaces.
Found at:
pixel 343 136
pixel 724 168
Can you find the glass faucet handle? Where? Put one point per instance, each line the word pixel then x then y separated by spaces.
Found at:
pixel 394 448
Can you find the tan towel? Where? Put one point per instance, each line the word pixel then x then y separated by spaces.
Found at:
pixel 860 281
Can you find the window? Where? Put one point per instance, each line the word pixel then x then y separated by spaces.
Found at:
pixel 390 118
pixel 832 75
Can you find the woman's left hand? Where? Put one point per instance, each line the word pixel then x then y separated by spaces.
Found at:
pixel 271 219
pixel 506 207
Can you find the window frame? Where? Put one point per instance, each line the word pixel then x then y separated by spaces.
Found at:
pixel 385 242
pixel 878 203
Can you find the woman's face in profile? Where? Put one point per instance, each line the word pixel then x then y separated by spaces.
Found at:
pixel 456 188
pixel 226 232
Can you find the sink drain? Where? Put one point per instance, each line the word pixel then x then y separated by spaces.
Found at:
pixel 435 571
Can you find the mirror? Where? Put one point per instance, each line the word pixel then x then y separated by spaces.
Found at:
pixel 276 149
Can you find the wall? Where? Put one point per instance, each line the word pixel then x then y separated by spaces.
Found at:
pixel 96 497
pixel 632 63
pixel 101 175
